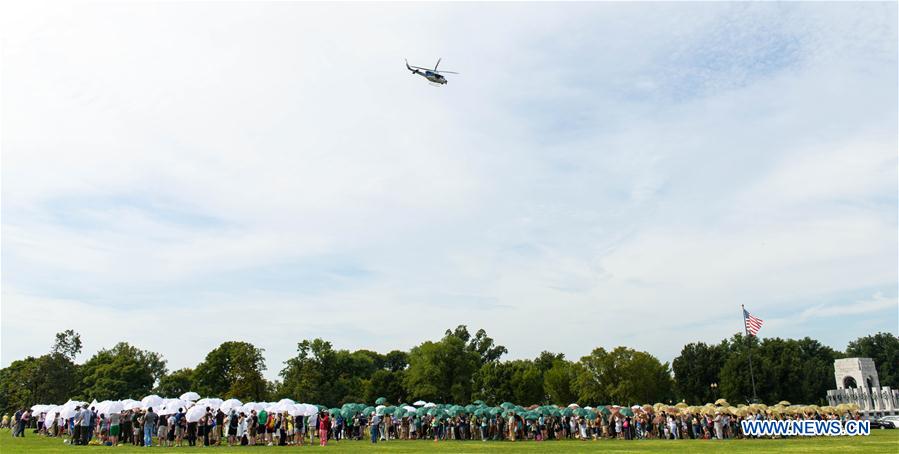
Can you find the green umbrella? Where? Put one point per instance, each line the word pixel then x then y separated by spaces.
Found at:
pixel 368 411
pixel 590 414
pixel 478 402
pixel 380 401
pixel 507 405
pixel 388 410
pixel 627 412
pixel 334 411
pixel 604 410
pixel 566 412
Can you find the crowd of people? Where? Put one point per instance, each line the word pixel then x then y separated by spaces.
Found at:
pixel 214 425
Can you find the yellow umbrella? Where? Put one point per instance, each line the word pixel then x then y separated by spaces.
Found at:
pixel 681 405
pixel 721 402
pixel 784 403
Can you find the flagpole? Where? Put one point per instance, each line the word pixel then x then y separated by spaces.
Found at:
pixel 749 339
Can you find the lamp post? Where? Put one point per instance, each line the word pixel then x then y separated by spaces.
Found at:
pixel 714 387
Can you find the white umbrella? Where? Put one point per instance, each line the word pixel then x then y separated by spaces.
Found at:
pixel 171 406
pixel 67 412
pixel 52 413
pixel 430 405
pixel 132 405
pixel 297 410
pixel 190 395
pixel 286 401
pixel 151 401
pixel 250 406
pixel 114 406
pixel 230 404
pixel 195 413
pixel 279 407
pixel 419 403
pixel 310 409
pixel 40 408
pixel 573 406
pixel 410 408
pixel 211 402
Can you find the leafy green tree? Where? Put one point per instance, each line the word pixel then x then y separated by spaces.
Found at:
pixel 396 360
pixel 622 376
pixel 481 343
pixel 442 371
pixel 385 383
pixel 17 384
pixel 176 383
pixel 67 344
pixel 883 348
pixel 785 369
pixel 46 379
pixel 332 377
pixel 232 370
pixel 492 383
pixel 696 368
pixel 558 382
pixel 546 360
pixel 121 372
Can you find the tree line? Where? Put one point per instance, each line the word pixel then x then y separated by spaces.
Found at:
pixel 460 367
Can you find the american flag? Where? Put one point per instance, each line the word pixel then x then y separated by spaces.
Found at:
pixel 753 324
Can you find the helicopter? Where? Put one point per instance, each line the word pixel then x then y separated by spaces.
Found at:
pixel 431 74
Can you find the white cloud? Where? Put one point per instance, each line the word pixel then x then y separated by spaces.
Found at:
pixel 876 303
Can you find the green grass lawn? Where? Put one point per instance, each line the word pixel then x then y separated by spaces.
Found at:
pixel 886 441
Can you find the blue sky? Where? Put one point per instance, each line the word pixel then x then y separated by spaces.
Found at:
pixel 179 175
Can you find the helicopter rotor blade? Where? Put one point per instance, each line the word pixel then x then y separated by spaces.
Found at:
pixel 448 72
pixel 438 64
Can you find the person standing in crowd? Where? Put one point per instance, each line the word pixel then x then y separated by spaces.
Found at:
pixel 93 424
pixel 192 433
pixel 179 427
pixel 299 428
pixel 262 420
pixel 219 427
pixel 313 427
pixel 719 426
pixel 242 429
pixel 163 430
pixel 233 423
pixel 252 427
pixel 136 424
pixel 85 423
pixel 373 427
pixel 76 429
pixel 150 419
pixel 323 424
